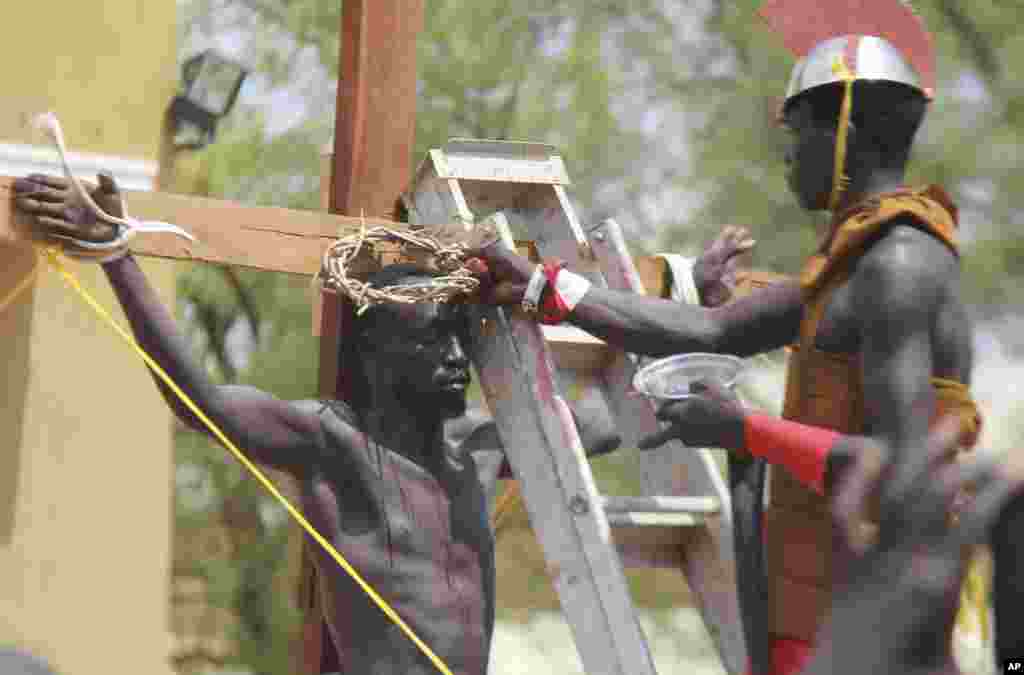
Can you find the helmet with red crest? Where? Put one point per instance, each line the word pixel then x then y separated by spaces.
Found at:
pixel 840 44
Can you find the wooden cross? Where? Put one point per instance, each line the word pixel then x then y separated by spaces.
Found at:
pixel 370 167
pixel 367 172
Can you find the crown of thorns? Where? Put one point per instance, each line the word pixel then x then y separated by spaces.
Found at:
pixel 449 259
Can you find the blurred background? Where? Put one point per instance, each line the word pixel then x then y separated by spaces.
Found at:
pixel 662 111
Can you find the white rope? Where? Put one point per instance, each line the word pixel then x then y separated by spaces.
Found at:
pixel 126 227
pixel 684 289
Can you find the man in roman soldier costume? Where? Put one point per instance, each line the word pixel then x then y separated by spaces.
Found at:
pixel 881 341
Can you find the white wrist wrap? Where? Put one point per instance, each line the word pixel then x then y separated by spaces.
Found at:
pixel 531 297
pixel 684 288
pixel 571 288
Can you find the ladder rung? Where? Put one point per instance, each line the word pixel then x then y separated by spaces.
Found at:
pixel 576 350
pixel 661 505
pixel 570 334
pixel 646 519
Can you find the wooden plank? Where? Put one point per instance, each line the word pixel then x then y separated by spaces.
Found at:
pixel 370 166
pixel 274 239
pixel 656 546
pixel 516 374
pixel 376 114
pixel 657 279
pixel 576 350
pixel 372 159
pixel 560 494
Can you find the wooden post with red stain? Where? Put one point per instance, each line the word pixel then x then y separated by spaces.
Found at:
pixel 374 132
pixel 375 124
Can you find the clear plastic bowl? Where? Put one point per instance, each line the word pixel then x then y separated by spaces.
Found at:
pixel 671 377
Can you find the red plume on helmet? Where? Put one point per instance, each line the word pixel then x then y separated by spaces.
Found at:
pixel 803 24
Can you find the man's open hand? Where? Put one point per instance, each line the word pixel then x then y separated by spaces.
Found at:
pixel 712 418
pixel 57 209
pixel 503 274
pixel 714 272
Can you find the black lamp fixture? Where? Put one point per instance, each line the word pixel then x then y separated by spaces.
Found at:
pixel 209 87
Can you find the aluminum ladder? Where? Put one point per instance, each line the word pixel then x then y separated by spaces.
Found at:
pixel 527 371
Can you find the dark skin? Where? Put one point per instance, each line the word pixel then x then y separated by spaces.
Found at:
pixel 402 489
pixel 916 561
pixel 1008 579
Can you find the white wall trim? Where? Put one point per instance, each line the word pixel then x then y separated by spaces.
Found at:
pixel 131 174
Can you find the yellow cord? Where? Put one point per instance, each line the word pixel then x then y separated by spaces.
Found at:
pixel 973 612
pixel 21 286
pixel 510 499
pixel 53 256
pixel 839 177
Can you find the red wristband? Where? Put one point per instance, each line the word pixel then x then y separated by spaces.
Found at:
pixel 553 309
pixel 801 449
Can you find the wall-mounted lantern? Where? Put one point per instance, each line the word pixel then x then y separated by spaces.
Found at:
pixel 209 87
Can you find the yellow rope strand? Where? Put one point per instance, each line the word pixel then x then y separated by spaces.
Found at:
pixel 510 499
pixel 54 258
pixel 21 286
pixel 839 177
pixel 974 592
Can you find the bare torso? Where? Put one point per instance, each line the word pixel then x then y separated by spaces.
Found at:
pixel 420 538
pixel 841 329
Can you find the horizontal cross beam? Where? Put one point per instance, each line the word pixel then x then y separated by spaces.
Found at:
pixel 228 233
pixel 269 238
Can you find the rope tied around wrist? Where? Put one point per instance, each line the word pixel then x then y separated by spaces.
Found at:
pixel 125 227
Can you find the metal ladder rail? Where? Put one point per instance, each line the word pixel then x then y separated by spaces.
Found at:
pixel 674 469
pixel 531 191
pixel 516 373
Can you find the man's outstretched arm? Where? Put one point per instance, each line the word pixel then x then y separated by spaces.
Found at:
pixel 897 292
pixel 765 320
pixel 274 432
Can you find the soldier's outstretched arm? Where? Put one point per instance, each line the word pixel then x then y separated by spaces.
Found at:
pixel 275 432
pixel 767 319
pixel 898 291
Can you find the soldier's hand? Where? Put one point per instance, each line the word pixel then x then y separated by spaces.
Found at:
pixel 712 418
pixel 714 272
pixel 56 209
pixel 503 274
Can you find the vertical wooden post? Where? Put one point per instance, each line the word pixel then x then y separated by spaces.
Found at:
pixel 375 124
pixel 376 113
pixel 374 132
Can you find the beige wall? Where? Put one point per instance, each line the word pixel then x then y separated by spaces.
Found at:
pixel 85 482
pixel 107 68
pixel 85 443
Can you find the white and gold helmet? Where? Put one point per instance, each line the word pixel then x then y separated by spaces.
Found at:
pixel 846 41
pixel 867 57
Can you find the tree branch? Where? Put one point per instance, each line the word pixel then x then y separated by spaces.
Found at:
pixel 972 38
pixel 245 299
